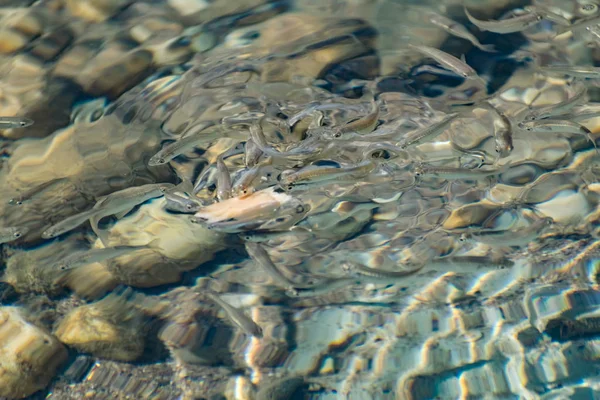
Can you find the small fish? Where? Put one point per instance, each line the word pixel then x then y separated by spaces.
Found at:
pixel 594 32
pixel 243 184
pixel 427 134
pixel 307 149
pixel 324 288
pixel 244 322
pixel 223 180
pixel 181 203
pixel 317 173
pixel 546 13
pixel 261 257
pixel 455 173
pixel 207 178
pixel 558 126
pixel 503 138
pixel 320 107
pixel 502 133
pixel 124 200
pixel 286 218
pixel 576 71
pixel 27 195
pixel 222 70
pixel 242 119
pixel 458 30
pixel 447 60
pixel 68 224
pixel 184 144
pixel 272 219
pixel 15 122
pixel 554 125
pixel 581 112
pixel 261 237
pixel 580 26
pixel 470 264
pixel 82 258
pixel 509 238
pixel 233 151
pixel 510 25
pixel 252 153
pixel 556 109
pixel 12 233
pixel 359 270
pixel 362 125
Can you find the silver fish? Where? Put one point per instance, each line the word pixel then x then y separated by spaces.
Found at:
pixel 261 237
pixel 510 25
pixel 321 107
pixel 576 71
pixel 546 13
pixel 15 122
pixel 581 26
pixel 252 153
pixel 362 125
pixel 508 238
pixel 358 270
pixel 181 203
pixel 27 195
pixel 455 173
pixel 261 257
pixel 470 264
pixel 233 151
pixel 13 233
pixel 124 200
pixel 184 144
pixel 502 134
pixel 556 109
pixel 558 126
pixel 244 322
pixel 68 224
pixel 324 287
pixel 243 184
pixel 242 119
pixel 458 30
pixel 207 178
pixel 594 32
pixel 447 60
pixel 223 180
pixel 554 125
pixel 82 258
pixel 314 173
pixel 287 216
pixel 427 134
pixel 222 70
pixel 307 149
pixel 581 112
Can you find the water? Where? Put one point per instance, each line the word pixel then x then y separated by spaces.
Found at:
pixel 404 237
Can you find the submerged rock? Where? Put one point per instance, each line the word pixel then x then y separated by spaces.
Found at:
pixel 110 328
pixel 175 245
pixel 29 356
pixel 83 167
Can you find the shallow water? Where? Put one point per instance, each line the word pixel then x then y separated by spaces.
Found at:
pixel 339 215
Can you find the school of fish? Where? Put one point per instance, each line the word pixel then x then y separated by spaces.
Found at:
pixel 328 182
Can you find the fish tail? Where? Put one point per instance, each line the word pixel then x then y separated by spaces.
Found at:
pixel 590 137
pixel 94 224
pixel 103 237
pixel 487 47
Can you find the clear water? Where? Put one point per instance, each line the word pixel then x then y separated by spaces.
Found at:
pixel 393 230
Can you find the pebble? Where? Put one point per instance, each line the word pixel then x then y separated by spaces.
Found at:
pixel 29 356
